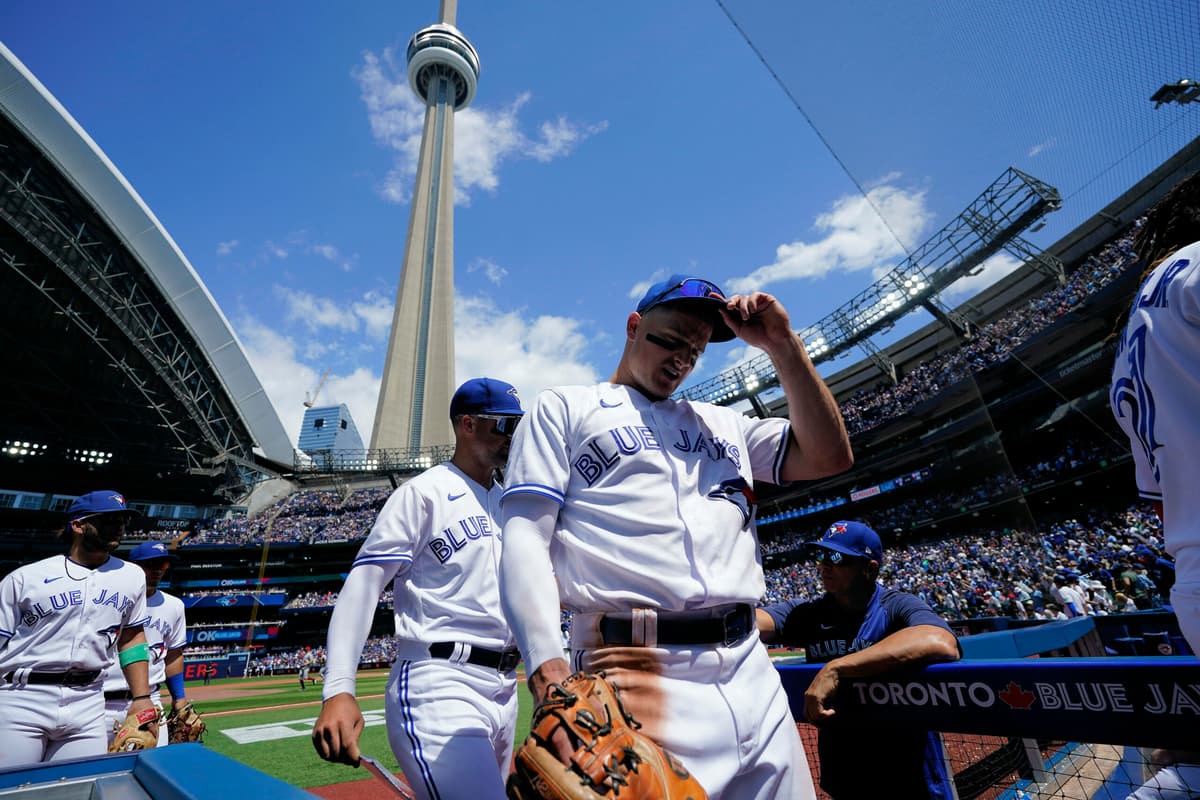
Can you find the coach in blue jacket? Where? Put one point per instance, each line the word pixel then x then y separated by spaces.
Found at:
pixel 859 629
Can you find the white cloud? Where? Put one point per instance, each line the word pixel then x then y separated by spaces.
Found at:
pixel 316 312
pixel 1042 147
pixel 483 138
pixel 992 270
pixel 288 380
pixel 530 354
pixel 273 250
pixel 855 238
pixel 491 270
pixel 333 255
pixel 375 311
pixel 225 248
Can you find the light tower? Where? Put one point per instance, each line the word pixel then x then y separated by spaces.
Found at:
pixel 418 372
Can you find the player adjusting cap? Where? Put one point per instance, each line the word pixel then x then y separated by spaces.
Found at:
pixel 701 294
pixel 852 539
pixel 151 551
pixel 486 396
pixel 103 501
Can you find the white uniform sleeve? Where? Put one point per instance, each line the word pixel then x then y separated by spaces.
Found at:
pixel 9 605
pixel 768 440
pixel 135 615
pixel 397 530
pixel 538 463
pixel 528 591
pixel 178 629
pixel 350 624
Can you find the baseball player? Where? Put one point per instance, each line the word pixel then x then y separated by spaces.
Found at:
pixel 858 629
pixel 166 636
pixel 1155 383
pixel 638 511
pixel 63 621
pixel 451 697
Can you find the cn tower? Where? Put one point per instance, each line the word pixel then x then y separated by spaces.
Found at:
pixel 418 372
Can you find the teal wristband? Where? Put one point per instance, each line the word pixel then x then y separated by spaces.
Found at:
pixel 139 652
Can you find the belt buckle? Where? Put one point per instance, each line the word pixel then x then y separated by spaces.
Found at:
pixel 508 660
pixel 732 633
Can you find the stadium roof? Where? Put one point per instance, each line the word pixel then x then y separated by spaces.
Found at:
pixel 114 353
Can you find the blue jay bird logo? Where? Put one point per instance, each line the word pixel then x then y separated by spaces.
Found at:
pixel 740 493
pixel 112 633
pixel 158 651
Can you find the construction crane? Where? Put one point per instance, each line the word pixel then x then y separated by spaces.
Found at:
pixel 310 400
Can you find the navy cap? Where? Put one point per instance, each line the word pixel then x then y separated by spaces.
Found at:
pixel 151 551
pixel 486 396
pixel 103 501
pixel 698 291
pixel 852 539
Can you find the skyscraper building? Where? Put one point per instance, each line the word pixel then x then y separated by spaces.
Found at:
pixel 329 428
pixel 418 373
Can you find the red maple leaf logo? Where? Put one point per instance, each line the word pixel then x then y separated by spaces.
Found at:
pixel 1016 696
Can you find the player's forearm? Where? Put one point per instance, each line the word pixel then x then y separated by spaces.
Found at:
pixel 820 444
pixel 133 656
pixel 528 591
pixel 908 647
pixel 349 627
pixel 174 674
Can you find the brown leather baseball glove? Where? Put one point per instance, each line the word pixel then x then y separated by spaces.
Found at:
pixel 138 732
pixel 612 760
pixel 185 725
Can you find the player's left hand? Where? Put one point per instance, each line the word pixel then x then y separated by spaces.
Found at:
pixel 184 724
pixel 138 732
pixel 758 319
pixel 818 699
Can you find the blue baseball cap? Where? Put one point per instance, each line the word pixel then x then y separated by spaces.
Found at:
pixel 151 551
pixel 486 396
pixel 852 539
pixel 698 292
pixel 103 501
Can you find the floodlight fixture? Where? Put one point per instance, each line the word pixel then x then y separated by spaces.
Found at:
pixel 1182 91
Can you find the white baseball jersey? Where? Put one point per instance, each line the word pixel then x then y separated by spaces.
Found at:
pixel 437 533
pixel 57 615
pixel 657 497
pixel 1154 395
pixel 437 541
pixel 166 629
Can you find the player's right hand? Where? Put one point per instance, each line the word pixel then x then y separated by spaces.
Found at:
pixel 335 734
pixel 554 671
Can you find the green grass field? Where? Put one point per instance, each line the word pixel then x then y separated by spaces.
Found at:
pixel 278 741
pixel 284 748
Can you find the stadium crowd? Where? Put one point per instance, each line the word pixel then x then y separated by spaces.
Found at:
pixel 990 343
pixel 1097 564
pixel 900 516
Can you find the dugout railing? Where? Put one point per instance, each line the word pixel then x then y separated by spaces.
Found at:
pixel 1077 728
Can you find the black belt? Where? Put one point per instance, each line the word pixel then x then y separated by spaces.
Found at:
pixel 499 660
pixel 674 630
pixel 72 677
pixel 125 694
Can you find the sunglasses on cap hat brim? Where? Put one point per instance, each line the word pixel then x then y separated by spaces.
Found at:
pixel 836 557
pixel 690 288
pixel 506 424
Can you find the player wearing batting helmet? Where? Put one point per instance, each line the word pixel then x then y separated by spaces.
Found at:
pixel 638 511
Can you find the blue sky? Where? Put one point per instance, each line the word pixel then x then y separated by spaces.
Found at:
pixel 609 144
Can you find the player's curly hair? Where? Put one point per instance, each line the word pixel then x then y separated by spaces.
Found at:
pixel 1173 223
